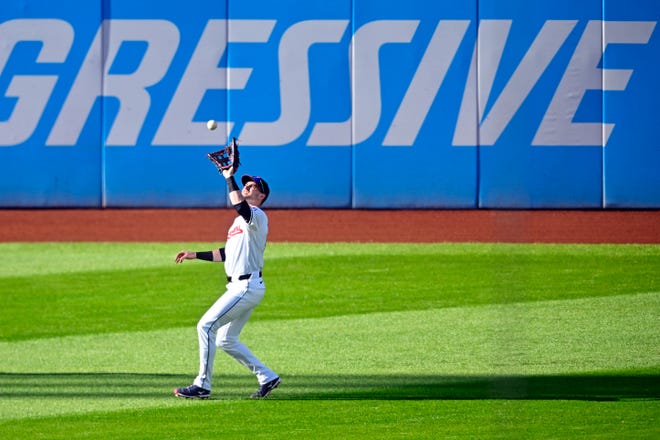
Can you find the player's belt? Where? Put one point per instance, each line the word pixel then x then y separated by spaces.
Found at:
pixel 247 276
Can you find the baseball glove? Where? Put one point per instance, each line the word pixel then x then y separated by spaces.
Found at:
pixel 227 157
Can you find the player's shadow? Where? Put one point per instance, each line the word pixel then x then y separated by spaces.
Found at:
pixel 402 387
pixel 338 387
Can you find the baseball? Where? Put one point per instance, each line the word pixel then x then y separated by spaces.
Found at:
pixel 211 124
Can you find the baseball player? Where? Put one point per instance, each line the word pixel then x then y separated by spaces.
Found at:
pixel 243 257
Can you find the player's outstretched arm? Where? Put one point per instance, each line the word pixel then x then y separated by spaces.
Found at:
pixel 185 255
pixel 216 255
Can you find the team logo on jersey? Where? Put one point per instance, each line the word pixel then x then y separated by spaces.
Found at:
pixel 236 230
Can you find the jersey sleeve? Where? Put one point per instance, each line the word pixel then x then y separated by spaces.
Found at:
pixel 244 211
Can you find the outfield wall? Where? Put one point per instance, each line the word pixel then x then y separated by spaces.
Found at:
pixel 478 104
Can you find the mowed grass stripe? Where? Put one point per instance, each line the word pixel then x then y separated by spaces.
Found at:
pixel 357 419
pixel 88 288
pixel 588 349
pixel 56 258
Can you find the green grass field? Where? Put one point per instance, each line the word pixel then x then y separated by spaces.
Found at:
pixel 371 341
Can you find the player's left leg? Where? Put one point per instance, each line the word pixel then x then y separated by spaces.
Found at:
pixel 228 341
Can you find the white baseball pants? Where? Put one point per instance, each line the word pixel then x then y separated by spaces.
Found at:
pixel 222 324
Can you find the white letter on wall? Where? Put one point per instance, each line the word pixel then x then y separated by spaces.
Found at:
pixel 582 74
pixel 294 82
pixel 162 39
pixel 32 91
pixel 365 84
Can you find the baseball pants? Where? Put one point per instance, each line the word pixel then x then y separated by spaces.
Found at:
pixel 221 326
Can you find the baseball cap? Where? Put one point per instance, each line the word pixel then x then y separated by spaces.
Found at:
pixel 261 183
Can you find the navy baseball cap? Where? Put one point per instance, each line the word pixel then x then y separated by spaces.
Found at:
pixel 261 183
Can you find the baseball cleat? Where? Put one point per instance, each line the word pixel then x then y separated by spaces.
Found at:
pixel 192 392
pixel 265 389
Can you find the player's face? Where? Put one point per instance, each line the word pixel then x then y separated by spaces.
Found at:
pixel 252 193
pixel 251 188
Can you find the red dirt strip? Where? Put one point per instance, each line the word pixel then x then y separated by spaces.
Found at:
pixel 321 225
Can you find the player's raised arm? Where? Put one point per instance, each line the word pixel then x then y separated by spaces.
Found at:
pixel 235 196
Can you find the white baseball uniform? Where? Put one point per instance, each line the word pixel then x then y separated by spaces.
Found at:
pixel 222 323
